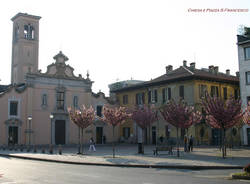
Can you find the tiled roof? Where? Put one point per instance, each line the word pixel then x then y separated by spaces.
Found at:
pixel 185 73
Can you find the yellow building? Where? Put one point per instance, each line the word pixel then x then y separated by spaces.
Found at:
pixel 185 82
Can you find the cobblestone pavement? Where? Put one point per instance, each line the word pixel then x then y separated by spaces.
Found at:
pixel 127 154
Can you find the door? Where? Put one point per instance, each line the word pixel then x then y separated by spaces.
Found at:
pixel 13 135
pixel 248 135
pixel 126 132
pixel 216 136
pixel 99 135
pixel 153 135
pixel 59 132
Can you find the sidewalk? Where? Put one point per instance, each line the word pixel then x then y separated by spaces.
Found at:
pixel 126 155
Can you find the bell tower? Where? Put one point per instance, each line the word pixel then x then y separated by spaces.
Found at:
pixel 25 45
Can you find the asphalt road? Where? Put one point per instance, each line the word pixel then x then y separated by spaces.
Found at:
pixel 17 171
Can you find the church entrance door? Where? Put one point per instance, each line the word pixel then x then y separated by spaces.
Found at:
pixel 59 132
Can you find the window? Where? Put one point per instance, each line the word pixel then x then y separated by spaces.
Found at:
pixel 202 90
pixel 44 100
pixel 225 93
pixel 248 100
pixel 247 53
pixel 25 31
pixel 126 132
pixel 75 101
pixel 247 77
pixel 166 94
pixel 16 33
pixel 13 108
pixel 29 32
pixel 181 92
pixel 99 110
pixel 214 91
pixel 60 100
pixel 140 98
pixel 125 99
pixel 169 94
pixel 152 96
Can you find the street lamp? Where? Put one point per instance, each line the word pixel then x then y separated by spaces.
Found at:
pixel 29 130
pixel 51 148
pixel 51 117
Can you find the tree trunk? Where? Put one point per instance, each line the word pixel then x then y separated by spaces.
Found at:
pixel 82 142
pixel 225 146
pixel 223 143
pixel 143 139
pixel 79 140
pixel 113 141
pixel 178 151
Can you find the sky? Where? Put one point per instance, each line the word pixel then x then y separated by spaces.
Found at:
pixel 118 40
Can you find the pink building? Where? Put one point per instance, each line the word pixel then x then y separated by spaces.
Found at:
pixel 34 106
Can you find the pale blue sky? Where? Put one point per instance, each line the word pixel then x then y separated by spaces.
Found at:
pixel 120 39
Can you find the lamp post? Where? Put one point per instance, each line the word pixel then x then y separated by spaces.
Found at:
pixel 51 148
pixel 29 130
pixel 51 118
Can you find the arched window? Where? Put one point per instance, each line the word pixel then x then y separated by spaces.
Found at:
pixel 44 100
pixel 25 31
pixel 32 33
pixel 16 33
pixel 29 32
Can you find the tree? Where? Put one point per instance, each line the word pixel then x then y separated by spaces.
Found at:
pixel 246 116
pixel 180 115
pixel 82 118
pixel 144 117
pixel 222 114
pixel 115 116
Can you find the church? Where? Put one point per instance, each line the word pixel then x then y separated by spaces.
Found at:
pixel 34 106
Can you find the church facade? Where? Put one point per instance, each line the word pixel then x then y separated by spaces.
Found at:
pixel 34 106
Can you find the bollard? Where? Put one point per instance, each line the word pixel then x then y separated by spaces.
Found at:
pixel 60 149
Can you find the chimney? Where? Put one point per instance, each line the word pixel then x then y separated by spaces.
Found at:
pixel 211 68
pixel 184 63
pixel 216 69
pixel 192 65
pixel 169 68
pixel 237 74
pixel 228 72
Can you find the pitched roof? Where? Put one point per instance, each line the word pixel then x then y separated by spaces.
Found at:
pixel 243 39
pixel 185 73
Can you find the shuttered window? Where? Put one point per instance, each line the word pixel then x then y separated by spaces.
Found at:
pixel 181 92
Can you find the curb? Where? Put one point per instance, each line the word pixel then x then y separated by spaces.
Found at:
pixel 190 167
pixel 237 177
